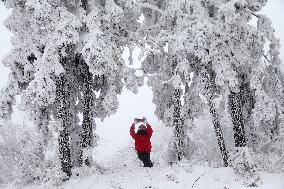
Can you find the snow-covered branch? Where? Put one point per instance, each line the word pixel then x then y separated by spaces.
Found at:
pixel 254 14
pixel 266 58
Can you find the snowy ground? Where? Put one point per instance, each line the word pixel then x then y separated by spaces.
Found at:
pixel 124 171
pixel 181 177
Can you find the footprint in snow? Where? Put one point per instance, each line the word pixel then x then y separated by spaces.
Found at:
pixel 115 185
pixel 172 178
pixel 150 187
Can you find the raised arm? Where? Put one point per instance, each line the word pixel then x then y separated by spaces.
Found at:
pixel 132 131
pixel 149 130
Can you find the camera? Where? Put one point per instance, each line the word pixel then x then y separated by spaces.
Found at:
pixel 139 120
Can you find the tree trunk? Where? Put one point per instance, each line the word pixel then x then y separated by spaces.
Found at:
pixel 237 119
pixel 85 5
pixel 215 120
pixel 87 135
pixel 42 127
pixel 179 132
pixel 63 106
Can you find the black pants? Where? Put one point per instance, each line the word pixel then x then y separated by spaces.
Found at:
pixel 145 158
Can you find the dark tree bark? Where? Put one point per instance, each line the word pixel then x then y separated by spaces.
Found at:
pixel 85 4
pixel 237 119
pixel 179 132
pixel 87 135
pixel 241 105
pixel 215 119
pixel 63 106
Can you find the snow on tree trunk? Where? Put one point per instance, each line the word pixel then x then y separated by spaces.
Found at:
pixel 63 107
pixel 87 135
pixel 242 157
pixel 215 120
pixel 43 130
pixel 218 131
pixel 247 105
pixel 179 132
pixel 42 125
pixel 237 119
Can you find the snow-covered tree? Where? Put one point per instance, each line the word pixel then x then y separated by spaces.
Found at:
pixel 67 60
pixel 218 34
pixel 177 33
pixel 67 51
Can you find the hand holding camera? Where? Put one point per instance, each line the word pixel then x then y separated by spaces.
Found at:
pixel 145 120
pixel 137 120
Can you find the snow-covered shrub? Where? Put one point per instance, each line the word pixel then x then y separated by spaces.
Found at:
pixel 21 155
pixel 162 153
pixel 272 160
pixel 52 175
pixel 203 135
pixel 9 152
pixel 244 164
pixel 188 149
pixel 24 159
pixel 84 171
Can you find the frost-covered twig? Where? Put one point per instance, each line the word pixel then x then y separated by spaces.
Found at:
pixel 168 81
pixel 266 58
pixel 198 179
pixel 254 14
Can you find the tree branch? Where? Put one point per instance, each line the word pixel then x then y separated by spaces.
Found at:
pixel 198 179
pixel 266 58
pixel 168 81
pixel 254 14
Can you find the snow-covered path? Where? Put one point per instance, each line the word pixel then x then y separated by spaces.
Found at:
pixel 166 177
pixel 124 171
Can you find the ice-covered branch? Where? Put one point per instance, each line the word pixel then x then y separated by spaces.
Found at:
pixel 254 14
pixel 266 58
pixel 193 185
pixel 168 81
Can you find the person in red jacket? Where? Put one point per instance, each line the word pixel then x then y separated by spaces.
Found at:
pixel 142 141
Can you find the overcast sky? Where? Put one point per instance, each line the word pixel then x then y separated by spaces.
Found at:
pixel 114 130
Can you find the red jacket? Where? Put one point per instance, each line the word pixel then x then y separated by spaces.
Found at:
pixel 142 142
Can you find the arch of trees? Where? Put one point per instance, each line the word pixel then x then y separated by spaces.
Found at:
pixel 67 60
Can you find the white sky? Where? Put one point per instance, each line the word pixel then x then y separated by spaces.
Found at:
pixel 114 130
